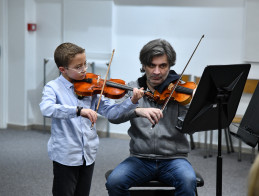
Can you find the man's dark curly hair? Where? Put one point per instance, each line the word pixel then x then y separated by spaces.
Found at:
pixel 157 47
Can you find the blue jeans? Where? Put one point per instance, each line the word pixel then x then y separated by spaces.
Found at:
pixel 177 173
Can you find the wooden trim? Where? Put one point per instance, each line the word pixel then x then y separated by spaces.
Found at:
pixel 250 85
pixel 237 119
pixel 186 78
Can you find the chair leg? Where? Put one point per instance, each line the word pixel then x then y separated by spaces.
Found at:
pixel 230 140
pixel 252 155
pixel 226 137
pixel 206 145
pixel 211 140
pixel 199 140
pixel 196 192
pixel 239 150
pixel 192 142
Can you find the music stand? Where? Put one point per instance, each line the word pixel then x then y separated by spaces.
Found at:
pixel 248 130
pixel 215 103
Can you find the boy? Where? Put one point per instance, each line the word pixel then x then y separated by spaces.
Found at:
pixel 73 143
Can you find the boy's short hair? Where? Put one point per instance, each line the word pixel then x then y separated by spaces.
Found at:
pixel 65 52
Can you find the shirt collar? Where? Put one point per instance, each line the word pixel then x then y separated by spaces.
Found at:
pixel 65 81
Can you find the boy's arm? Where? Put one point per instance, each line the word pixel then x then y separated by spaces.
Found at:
pixel 122 107
pixel 50 108
pixel 137 94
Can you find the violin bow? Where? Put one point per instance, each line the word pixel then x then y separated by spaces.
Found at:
pixel 104 83
pixel 176 84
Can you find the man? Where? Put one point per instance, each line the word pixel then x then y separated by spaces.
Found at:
pixel 161 152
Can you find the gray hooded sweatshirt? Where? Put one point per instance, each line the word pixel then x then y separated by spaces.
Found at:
pixel 164 141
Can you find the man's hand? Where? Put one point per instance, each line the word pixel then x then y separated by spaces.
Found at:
pixel 152 114
pixel 137 94
pixel 90 114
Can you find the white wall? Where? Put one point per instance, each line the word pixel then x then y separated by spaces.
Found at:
pixel 182 23
pixel 88 24
pixel 30 67
pixel 17 99
pixel 3 63
pixel 123 25
pixel 49 17
pixel 252 31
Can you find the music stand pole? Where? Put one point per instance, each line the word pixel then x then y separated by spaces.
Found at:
pixel 219 157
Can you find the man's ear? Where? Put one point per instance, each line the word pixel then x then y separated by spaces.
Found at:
pixel 62 69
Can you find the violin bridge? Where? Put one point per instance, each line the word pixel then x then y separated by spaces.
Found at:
pixel 170 87
pixel 98 79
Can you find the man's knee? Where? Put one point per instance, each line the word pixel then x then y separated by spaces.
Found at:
pixel 113 181
pixel 189 181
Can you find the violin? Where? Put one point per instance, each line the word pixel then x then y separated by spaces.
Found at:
pixel 182 94
pixel 93 84
pixel 117 88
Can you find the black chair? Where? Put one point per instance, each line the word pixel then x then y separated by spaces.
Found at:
pixel 247 128
pixel 156 188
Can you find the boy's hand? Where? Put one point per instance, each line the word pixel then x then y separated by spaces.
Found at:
pixel 152 114
pixel 137 94
pixel 90 114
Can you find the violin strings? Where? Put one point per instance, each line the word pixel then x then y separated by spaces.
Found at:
pixel 114 84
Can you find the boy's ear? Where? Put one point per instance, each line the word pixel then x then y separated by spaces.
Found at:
pixel 62 69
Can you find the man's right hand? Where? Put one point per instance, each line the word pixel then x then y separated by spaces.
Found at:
pixel 152 114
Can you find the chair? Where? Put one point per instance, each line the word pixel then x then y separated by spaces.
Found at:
pixel 156 188
pixel 249 89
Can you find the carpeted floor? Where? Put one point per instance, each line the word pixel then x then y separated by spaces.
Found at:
pixel 26 170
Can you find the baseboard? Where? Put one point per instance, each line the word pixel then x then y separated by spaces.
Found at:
pixel 223 148
pixel 28 127
pixel 100 133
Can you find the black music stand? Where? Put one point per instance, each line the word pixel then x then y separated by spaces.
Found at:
pixel 248 130
pixel 215 103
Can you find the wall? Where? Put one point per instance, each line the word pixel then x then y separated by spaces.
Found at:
pixel 3 63
pixel 182 23
pixel 30 57
pixel 79 22
pixel 123 25
pixel 252 31
pixel 17 99
pixel 49 36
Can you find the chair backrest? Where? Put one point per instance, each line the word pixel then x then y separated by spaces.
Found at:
pixel 197 79
pixel 250 86
pixel 186 78
pixel 248 91
pixel 249 127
